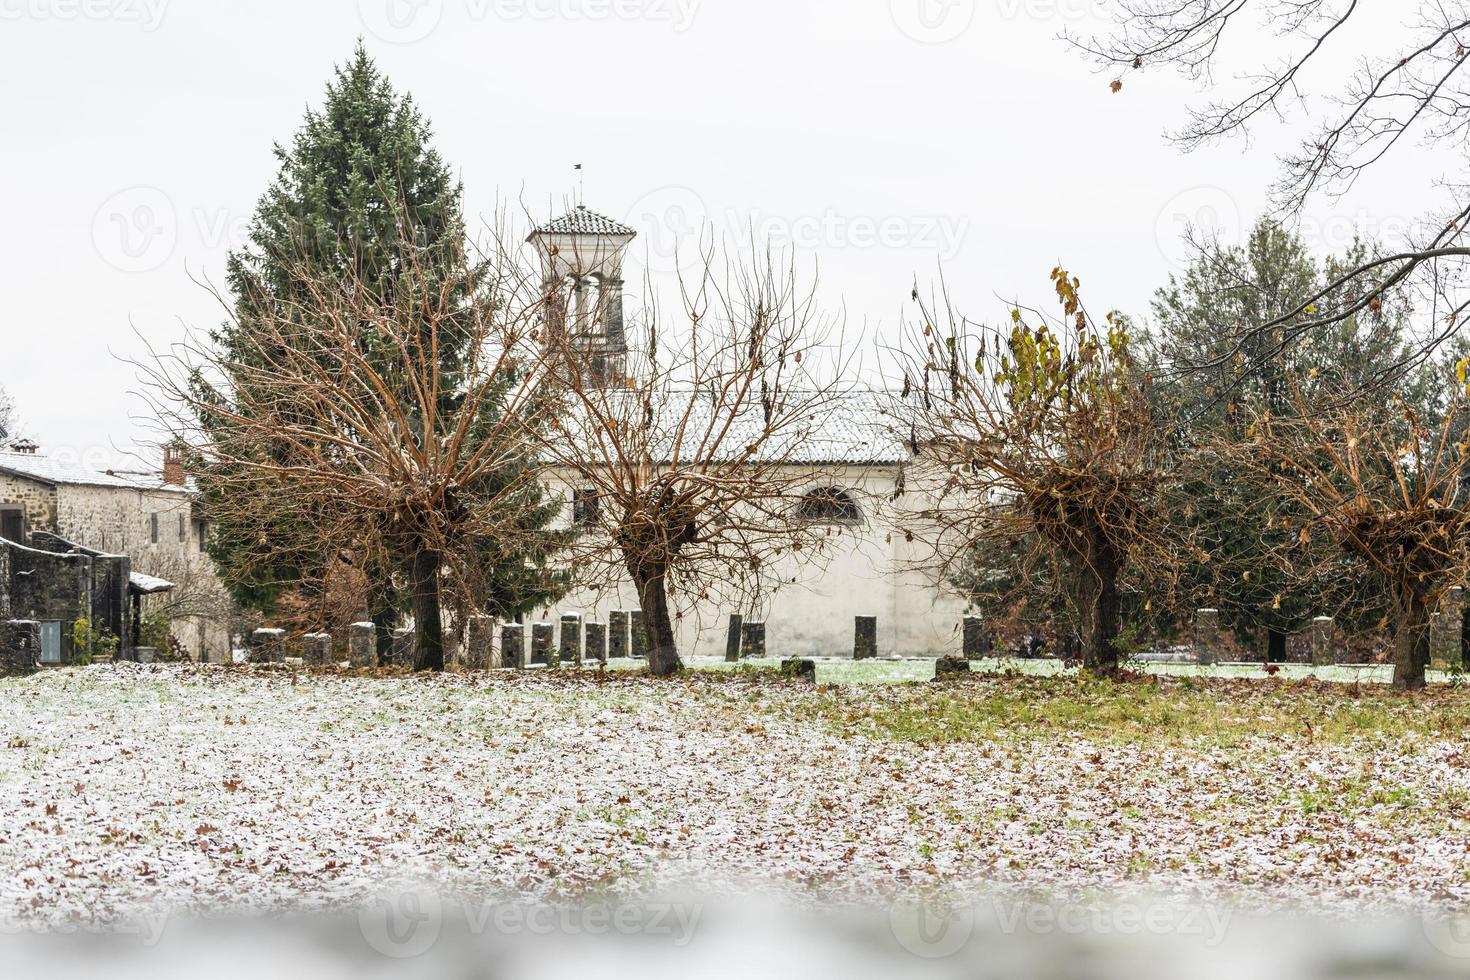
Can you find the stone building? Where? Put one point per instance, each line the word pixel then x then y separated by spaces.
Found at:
pixel 108 546
pixel 852 464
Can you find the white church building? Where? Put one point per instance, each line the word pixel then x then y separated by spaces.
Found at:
pixel 855 463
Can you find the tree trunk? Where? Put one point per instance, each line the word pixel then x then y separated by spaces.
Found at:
pixel 1098 590
pixel 663 652
pixel 1411 642
pixel 428 622
pixel 1275 646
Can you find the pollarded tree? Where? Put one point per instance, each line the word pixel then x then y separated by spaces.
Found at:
pixel 1040 439
pixel 362 198
pixel 1389 495
pixel 330 426
pixel 692 468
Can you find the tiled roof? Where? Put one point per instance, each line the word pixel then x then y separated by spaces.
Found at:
pixel 581 221
pixel 852 428
pixel 48 469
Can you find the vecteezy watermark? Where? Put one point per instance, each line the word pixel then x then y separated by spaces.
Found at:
pixel 408 21
pixel 408 921
pixel 932 21
pixel 675 228
pixel 934 926
pixel 136 230
pixel 148 928
pixel 147 14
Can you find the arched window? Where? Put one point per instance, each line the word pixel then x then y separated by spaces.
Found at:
pixel 829 505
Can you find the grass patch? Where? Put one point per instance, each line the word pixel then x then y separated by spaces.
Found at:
pixel 1157 710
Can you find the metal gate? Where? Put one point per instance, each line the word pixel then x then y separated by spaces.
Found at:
pixel 51 642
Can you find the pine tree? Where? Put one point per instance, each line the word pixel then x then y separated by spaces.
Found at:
pixel 359 186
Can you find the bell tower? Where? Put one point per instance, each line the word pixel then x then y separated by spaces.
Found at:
pixel 582 269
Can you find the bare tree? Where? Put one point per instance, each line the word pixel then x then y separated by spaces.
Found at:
pixel 1407 89
pixel 1037 442
pixel 688 472
pixel 9 421
pixel 337 430
pixel 1390 496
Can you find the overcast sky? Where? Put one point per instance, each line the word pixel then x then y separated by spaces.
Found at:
pixel 882 140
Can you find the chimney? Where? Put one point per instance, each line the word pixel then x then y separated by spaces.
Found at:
pixel 24 446
pixel 173 466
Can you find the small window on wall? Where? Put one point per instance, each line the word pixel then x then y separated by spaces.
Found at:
pixel 203 528
pixel 584 506
pixel 829 505
pixel 183 530
pixel 153 528
pixel 12 524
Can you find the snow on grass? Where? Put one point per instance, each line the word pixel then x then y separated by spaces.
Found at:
pixel 129 789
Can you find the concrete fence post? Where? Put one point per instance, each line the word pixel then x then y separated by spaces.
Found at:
pixel 752 640
pixel 479 643
pixel 362 645
pixel 542 650
pixel 513 646
pixel 637 634
pixel 974 638
pixel 1322 653
pixel 268 646
pixel 596 642
pixel 571 639
pixel 405 648
pixel 732 638
pixel 617 634
pixel 864 637
pixel 1207 637
pixel 316 649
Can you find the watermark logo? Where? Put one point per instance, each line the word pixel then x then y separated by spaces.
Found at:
pixel 136 230
pixel 1450 934
pixel 671 223
pixel 932 21
pixel 931 926
pixel 401 21
pixel 403 923
pixel 1200 215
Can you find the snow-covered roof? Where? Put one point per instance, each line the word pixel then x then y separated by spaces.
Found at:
pixel 852 428
pixel 66 472
pixel 148 584
pixel 581 221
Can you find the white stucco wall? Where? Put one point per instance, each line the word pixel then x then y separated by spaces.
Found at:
pixel 862 571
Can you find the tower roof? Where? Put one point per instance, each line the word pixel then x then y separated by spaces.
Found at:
pixel 581 221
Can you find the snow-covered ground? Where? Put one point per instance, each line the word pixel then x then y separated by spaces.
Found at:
pixel 130 789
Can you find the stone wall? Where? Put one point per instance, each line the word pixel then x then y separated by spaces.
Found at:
pixel 45 587
pixel 36 500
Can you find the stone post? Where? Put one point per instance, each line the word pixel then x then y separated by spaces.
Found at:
pixel 1322 654
pixel 617 634
pixel 405 648
pixel 752 640
pixel 478 642
pixel 974 638
pixel 513 646
pixel 268 646
pixel 316 649
pixel 864 637
pixel 732 639
pixel 597 642
pixel 542 635
pixel 1207 637
pixel 637 635
pixel 20 647
pixel 362 645
pixel 571 639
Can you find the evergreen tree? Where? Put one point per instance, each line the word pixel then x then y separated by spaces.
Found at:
pixel 1215 373
pixel 358 188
